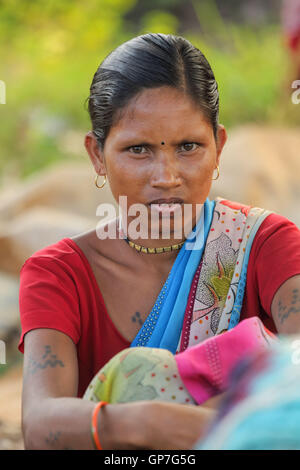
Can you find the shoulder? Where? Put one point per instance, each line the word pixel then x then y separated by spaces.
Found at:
pixel 277 220
pixel 272 223
pixel 276 248
pixel 276 233
pixel 277 228
pixel 61 256
pixel 55 250
pixel 50 290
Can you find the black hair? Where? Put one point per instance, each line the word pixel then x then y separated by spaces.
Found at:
pixel 150 61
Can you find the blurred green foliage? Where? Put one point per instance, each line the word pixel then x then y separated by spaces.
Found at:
pixel 49 52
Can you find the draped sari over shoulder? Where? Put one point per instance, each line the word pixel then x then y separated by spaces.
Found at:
pixel 203 294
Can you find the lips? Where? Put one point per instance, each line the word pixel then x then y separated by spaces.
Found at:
pixel 166 207
pixel 170 201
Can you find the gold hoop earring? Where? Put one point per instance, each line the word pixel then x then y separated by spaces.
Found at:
pixel 218 173
pixel 96 183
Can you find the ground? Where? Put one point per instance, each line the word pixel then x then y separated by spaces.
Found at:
pixel 10 409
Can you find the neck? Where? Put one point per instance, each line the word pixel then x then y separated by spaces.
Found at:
pixel 145 240
pixel 151 248
pixel 158 262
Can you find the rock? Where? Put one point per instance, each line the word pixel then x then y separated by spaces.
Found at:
pixel 260 166
pixel 10 409
pixel 11 437
pixel 35 229
pixel 9 315
pixel 72 142
pixel 67 186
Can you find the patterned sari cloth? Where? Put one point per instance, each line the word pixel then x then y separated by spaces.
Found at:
pixel 179 354
pixel 204 291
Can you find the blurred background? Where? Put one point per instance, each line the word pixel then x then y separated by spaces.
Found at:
pixel 49 52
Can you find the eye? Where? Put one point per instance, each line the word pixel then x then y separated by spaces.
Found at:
pixel 137 149
pixel 190 146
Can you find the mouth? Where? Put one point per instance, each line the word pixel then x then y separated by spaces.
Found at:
pixel 166 202
pixel 166 207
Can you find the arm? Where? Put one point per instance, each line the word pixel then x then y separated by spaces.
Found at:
pixel 53 418
pixel 285 307
pixel 215 401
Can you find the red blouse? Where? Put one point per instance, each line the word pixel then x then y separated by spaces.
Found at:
pixel 58 290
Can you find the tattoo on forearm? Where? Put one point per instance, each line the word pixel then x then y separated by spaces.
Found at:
pixel 53 438
pixel 48 360
pixel 137 318
pixel 284 311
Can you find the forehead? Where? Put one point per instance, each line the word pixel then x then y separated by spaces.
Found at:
pixel 158 111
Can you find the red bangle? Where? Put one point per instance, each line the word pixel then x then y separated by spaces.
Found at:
pixel 94 424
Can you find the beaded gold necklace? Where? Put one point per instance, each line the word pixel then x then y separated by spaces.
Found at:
pixel 144 249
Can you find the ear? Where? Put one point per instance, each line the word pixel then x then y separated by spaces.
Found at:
pixel 94 152
pixel 221 140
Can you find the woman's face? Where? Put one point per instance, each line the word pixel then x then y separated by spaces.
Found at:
pixel 162 148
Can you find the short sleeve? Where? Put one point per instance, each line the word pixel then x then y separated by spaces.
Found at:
pixel 277 256
pixel 48 298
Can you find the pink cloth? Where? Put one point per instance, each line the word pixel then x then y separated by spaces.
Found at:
pixel 205 368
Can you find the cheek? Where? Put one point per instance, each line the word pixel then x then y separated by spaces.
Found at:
pixel 200 170
pixel 198 178
pixel 125 178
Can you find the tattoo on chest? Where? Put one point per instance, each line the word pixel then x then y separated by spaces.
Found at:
pixel 136 318
pixel 293 306
pixel 48 360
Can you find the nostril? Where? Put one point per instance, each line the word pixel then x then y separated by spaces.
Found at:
pixel 166 182
pixel 165 172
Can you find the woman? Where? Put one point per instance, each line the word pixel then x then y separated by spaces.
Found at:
pixel 156 138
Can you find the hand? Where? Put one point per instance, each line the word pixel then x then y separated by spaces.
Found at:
pixel 214 402
pixel 153 425
pixel 173 426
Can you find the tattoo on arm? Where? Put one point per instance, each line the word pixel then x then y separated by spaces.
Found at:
pixel 293 306
pixel 137 318
pixel 53 438
pixel 48 360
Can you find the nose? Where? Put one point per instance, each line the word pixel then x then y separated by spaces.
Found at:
pixel 165 173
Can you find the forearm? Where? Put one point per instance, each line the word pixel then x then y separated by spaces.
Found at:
pixel 214 402
pixel 59 423
pixel 65 423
